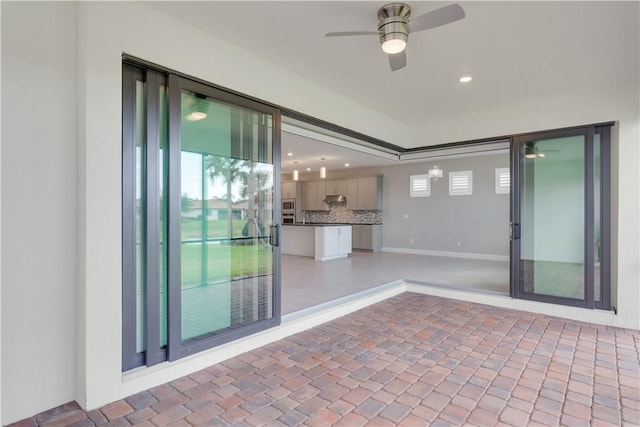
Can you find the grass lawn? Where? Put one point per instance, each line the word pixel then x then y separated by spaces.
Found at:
pixel 224 262
pixel 192 228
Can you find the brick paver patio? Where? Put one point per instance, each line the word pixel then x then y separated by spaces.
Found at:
pixel 410 360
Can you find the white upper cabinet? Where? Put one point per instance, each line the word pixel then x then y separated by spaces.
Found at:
pixel 352 194
pixel 370 193
pixel 313 195
pixel 337 186
pixel 289 189
pixel 361 193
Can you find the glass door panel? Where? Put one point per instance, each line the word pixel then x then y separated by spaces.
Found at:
pixel 560 240
pixel 226 217
pixel 560 217
pixel 552 217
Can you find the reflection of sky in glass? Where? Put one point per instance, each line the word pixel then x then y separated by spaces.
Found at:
pixel 191 179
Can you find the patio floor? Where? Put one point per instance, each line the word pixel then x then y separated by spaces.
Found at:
pixel 410 360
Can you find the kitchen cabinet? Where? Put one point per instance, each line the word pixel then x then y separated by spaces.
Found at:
pixel 352 194
pixel 297 240
pixel 313 195
pixel 370 193
pixel 367 237
pixel 289 190
pixel 321 194
pixel 332 242
pixel 322 242
pixel 309 191
pixel 336 186
pixel 362 193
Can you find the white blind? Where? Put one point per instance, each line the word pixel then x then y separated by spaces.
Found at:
pixel 419 186
pixel 460 183
pixel 503 180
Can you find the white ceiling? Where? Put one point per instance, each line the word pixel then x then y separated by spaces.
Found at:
pixel 308 153
pixel 513 50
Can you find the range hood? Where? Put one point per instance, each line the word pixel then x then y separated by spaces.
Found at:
pixel 335 198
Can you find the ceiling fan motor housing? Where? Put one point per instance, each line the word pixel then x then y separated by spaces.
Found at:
pixel 393 22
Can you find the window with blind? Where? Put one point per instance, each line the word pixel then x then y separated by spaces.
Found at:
pixel 460 183
pixel 503 180
pixel 419 186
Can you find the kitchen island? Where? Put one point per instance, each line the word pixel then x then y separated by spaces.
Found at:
pixel 320 241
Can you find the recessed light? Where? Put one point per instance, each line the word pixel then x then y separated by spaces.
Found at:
pixel 465 79
pixel 346 164
pixel 289 154
pixel 308 169
pixel 195 116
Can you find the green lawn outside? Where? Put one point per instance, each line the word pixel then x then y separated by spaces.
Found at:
pixel 192 228
pixel 225 262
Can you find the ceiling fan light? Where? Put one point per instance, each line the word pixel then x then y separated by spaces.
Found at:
pixel 394 46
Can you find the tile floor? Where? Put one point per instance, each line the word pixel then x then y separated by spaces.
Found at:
pixel 410 360
pixel 307 282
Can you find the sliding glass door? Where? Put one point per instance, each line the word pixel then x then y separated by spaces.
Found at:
pixel 560 217
pixel 200 237
pixel 224 196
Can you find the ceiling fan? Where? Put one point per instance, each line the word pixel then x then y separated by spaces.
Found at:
pixel 394 27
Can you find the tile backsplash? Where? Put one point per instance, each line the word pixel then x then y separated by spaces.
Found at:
pixel 340 214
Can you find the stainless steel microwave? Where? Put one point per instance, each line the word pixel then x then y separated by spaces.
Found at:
pixel 288 205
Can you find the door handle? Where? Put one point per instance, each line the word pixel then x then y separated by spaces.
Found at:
pixel 274 237
pixel 514 231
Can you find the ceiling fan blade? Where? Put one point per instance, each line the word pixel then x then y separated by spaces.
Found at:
pixel 436 18
pixel 398 60
pixel 352 33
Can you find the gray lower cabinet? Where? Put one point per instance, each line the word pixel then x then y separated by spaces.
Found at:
pixel 367 237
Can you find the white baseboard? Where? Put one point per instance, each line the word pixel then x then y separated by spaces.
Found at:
pixel 486 257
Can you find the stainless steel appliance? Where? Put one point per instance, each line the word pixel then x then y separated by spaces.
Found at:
pixel 288 211
pixel 288 218
pixel 288 205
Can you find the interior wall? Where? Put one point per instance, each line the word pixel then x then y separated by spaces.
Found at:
pixel 558 211
pixel 473 225
pixel 39 200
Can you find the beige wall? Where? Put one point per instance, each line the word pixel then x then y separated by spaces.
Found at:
pixel 39 207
